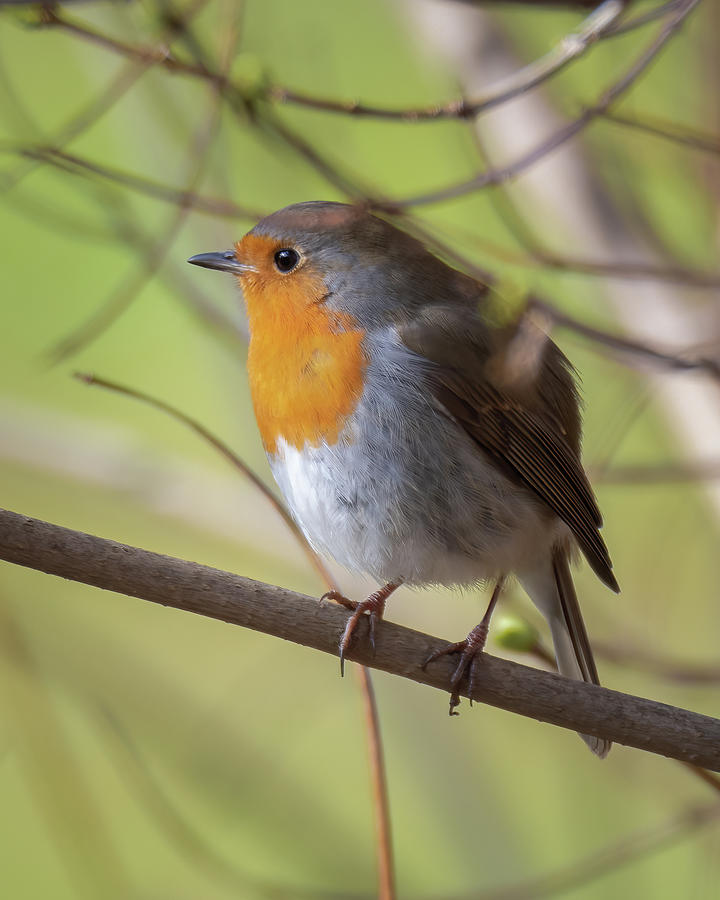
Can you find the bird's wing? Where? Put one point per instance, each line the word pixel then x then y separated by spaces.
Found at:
pixel 524 438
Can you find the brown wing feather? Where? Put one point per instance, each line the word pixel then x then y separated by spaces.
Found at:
pixel 527 443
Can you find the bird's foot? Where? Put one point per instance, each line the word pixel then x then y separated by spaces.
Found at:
pixel 468 649
pixel 374 606
pixel 337 597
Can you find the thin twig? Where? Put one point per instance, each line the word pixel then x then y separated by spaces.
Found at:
pixel 137 776
pixel 77 165
pixel 632 271
pixel 707 777
pixel 638 657
pixel 564 134
pixel 593 867
pixel 119 301
pixel 570 48
pixel 159 54
pixel 108 97
pixel 536 254
pixel 236 97
pixel 657 473
pixel 624 345
pixel 378 777
pixel 635 22
pixel 63 792
pixel 669 131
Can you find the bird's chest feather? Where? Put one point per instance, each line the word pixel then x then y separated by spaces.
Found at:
pixel 306 365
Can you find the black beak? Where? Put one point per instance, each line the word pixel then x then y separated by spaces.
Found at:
pixel 225 261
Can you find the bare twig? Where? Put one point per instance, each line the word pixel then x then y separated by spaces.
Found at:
pixel 638 657
pixel 657 473
pixel 631 271
pixel 120 299
pixel 651 15
pixel 568 131
pixel 378 777
pixel 77 165
pixel 597 864
pixel 137 776
pixel 669 131
pixel 624 345
pixel 570 48
pixel 711 780
pixel 587 708
pixel 158 54
pixel 536 254
pixel 236 97
pixel 109 96
pixel 57 776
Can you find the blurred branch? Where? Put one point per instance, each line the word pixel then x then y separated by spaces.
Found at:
pixel 109 96
pixel 136 775
pixel 670 131
pixel 156 251
pixel 56 775
pixel 633 22
pixel 537 254
pixel 634 656
pixel 543 310
pixel 596 865
pixel 610 96
pixel 54 17
pixel 381 797
pixel 657 473
pixel 242 102
pixel 570 48
pixel 620 718
pixel 639 657
pixel 633 271
pixel 546 4
pixel 711 780
pixel 76 165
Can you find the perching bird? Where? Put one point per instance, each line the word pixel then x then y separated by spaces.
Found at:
pixel 414 437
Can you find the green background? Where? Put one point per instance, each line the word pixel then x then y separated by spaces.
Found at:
pixel 150 753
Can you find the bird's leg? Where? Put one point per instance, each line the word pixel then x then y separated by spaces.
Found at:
pixel 374 605
pixel 468 649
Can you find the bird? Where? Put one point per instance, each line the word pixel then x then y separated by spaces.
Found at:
pixel 417 435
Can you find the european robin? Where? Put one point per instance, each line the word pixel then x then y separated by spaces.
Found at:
pixel 415 437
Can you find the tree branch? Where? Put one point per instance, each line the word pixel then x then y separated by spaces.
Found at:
pixel 624 719
pixel 566 132
pixel 531 76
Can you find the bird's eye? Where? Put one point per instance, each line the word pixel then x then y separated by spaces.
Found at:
pixel 286 259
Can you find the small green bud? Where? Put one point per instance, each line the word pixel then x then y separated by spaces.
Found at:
pixel 514 633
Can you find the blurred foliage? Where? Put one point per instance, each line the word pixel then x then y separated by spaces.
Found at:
pixel 148 753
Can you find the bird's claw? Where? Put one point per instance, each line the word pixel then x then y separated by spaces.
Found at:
pixel 374 605
pixel 469 650
pixel 359 609
pixel 337 597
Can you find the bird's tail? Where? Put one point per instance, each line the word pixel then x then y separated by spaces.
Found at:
pixel 570 639
pixel 551 589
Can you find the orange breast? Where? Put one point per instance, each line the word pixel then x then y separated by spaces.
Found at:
pixel 306 363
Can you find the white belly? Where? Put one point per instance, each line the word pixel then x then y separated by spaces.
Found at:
pixel 429 521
